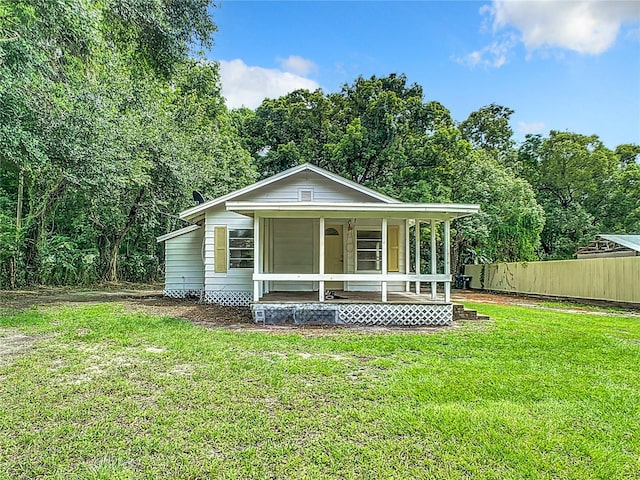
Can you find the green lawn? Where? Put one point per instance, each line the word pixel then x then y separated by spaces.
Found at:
pixel 99 392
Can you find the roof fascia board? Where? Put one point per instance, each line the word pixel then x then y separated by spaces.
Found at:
pixel 396 210
pixel 177 233
pixel 297 206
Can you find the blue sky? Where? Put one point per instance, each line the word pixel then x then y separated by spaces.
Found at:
pixel 561 65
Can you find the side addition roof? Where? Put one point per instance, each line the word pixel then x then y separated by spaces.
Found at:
pixel 194 212
pixel 177 233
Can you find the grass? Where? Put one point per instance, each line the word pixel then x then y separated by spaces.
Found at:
pixel 99 392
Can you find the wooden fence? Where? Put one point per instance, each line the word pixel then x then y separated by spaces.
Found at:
pixel 614 279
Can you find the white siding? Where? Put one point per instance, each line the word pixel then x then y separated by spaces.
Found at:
pixel 293 249
pixel 235 279
pixel 324 190
pixel 183 262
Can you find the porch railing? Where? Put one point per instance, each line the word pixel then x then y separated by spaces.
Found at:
pixel 352 277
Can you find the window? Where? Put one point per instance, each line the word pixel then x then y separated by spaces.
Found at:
pixel 241 248
pixel 369 250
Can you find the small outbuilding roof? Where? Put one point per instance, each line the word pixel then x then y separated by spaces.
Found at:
pixel 611 245
pixel 629 241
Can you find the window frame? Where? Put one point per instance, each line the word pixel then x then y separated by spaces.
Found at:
pixel 378 250
pixel 240 249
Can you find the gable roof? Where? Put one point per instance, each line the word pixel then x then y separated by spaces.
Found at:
pixel 195 211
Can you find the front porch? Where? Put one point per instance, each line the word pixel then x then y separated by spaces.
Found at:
pixel 372 255
pixel 321 250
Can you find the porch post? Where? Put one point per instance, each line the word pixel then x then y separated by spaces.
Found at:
pixel 447 260
pixel 266 242
pixel 256 256
pixel 417 232
pixel 434 260
pixel 384 259
pixel 407 254
pixel 321 261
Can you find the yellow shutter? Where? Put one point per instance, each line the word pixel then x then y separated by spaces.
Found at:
pixel 393 248
pixel 220 248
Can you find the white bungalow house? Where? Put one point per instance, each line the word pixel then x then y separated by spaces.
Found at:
pixel 309 245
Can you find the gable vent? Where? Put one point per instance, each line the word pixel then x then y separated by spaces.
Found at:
pixel 305 195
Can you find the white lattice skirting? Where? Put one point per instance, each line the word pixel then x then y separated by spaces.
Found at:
pixel 181 293
pixel 403 314
pixel 385 314
pixel 228 298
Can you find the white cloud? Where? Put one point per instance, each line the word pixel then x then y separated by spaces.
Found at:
pixel 297 65
pixel 248 86
pixel 493 55
pixel 531 127
pixel 587 26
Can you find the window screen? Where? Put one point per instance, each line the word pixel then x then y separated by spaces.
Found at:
pixel 369 250
pixel 241 248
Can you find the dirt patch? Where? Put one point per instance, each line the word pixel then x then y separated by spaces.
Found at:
pixel 240 318
pixel 26 299
pixel 14 343
pixel 189 308
pixel 568 305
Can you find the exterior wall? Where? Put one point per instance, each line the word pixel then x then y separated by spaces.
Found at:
pixel 184 272
pixel 295 250
pixel 614 279
pixel 324 190
pixel 234 287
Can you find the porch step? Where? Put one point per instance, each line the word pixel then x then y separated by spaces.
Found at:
pixel 461 313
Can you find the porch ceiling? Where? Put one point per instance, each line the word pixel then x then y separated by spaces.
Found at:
pixel 420 211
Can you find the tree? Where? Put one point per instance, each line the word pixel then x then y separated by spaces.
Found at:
pixel 290 130
pixel 573 175
pixel 378 119
pixel 381 132
pixel 488 128
pixel 105 127
pixel 510 221
pixel 623 213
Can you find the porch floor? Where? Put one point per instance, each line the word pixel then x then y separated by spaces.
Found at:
pixel 351 297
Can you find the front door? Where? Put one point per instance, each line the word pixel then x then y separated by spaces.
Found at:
pixel 333 255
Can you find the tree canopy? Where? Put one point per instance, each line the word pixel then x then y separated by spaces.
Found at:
pixel 106 126
pixel 108 121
